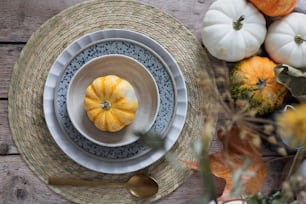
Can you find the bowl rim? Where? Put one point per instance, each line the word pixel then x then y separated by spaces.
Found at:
pixel 69 108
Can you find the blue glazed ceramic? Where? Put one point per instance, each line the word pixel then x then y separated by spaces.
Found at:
pixel 158 70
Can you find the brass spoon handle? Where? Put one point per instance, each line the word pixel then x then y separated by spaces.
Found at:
pixel 80 182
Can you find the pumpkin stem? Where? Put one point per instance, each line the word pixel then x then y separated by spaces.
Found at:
pixel 261 83
pixel 237 24
pixel 106 105
pixel 299 39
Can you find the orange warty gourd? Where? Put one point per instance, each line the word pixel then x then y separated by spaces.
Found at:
pixel 275 7
pixel 110 103
pixel 253 79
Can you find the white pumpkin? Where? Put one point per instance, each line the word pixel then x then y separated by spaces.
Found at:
pixel 233 30
pixel 286 40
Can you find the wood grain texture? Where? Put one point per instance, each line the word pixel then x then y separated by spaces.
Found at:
pixel 8 56
pixel 19 185
pixel 7 145
pixel 189 13
pixel 21 18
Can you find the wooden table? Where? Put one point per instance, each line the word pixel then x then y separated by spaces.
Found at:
pixel 18 20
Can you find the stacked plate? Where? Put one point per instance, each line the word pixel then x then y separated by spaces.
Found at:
pixel 158 81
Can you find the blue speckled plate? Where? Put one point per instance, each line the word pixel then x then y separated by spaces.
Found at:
pixel 145 56
pixel 170 82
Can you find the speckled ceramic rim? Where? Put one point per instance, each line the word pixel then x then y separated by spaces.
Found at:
pixel 167 57
pixel 141 149
pixel 25 112
pixel 145 74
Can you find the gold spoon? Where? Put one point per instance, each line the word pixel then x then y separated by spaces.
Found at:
pixel 140 186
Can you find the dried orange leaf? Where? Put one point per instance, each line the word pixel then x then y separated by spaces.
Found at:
pixel 241 141
pixel 223 164
pixel 192 165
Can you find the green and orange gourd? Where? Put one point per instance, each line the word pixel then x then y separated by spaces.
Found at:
pixel 253 80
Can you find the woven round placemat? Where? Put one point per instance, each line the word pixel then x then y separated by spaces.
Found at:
pixel 25 109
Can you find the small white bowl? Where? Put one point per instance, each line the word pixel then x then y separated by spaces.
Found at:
pixel 129 69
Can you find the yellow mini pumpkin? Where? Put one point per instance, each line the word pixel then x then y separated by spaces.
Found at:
pixel 110 103
pixel 253 79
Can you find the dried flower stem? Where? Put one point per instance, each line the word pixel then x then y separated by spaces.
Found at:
pixel 295 162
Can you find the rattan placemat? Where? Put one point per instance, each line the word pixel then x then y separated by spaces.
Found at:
pixel 25 108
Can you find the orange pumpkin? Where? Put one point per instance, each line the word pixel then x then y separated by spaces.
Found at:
pixel 275 7
pixel 253 80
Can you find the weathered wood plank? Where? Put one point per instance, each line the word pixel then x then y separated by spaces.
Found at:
pixel 7 145
pixel 19 19
pixel 19 184
pixel 8 57
pixel 190 13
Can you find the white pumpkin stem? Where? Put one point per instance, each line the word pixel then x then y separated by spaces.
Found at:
pixel 299 39
pixel 106 105
pixel 237 24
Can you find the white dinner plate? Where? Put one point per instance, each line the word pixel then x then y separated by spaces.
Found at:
pixel 94 162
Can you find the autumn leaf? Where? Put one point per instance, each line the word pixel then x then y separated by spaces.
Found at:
pixel 239 145
pixel 192 165
pixel 293 78
pixel 221 168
